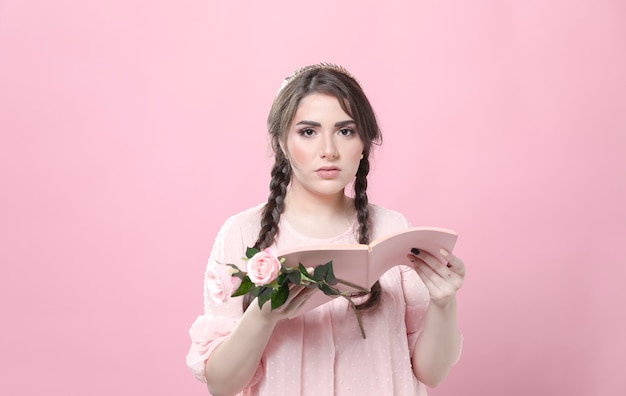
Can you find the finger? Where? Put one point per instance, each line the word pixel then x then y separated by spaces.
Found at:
pixel 303 297
pixel 426 275
pixel 439 293
pixel 454 263
pixel 432 261
pixel 440 289
pixel 297 291
pixel 429 273
pixel 293 306
pixel 444 278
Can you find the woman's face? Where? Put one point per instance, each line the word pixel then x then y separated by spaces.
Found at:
pixel 323 146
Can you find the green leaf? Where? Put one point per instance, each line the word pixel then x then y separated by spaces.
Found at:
pixel 287 270
pixel 256 290
pixel 246 284
pixel 302 269
pixel 264 295
pixel 330 274
pixel 321 271
pixel 251 252
pixel 305 273
pixel 329 291
pixel 294 277
pixel 279 296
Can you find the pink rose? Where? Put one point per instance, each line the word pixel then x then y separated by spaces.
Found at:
pixel 221 283
pixel 263 267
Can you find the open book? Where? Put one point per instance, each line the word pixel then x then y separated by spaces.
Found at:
pixel 362 264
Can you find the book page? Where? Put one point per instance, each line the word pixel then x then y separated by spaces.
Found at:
pixel 363 265
pixel 389 251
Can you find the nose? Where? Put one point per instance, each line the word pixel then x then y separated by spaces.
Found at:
pixel 329 148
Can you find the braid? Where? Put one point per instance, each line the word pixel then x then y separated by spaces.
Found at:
pixel 361 201
pixel 361 205
pixel 281 176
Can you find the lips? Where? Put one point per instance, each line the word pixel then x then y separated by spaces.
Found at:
pixel 328 172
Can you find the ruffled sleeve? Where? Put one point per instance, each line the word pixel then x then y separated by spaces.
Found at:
pixel 206 333
pixel 220 318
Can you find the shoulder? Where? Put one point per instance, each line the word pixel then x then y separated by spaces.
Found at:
pixel 236 233
pixel 249 215
pixel 385 221
pixel 381 214
pixel 245 224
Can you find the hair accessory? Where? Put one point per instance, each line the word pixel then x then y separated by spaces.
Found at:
pixel 318 66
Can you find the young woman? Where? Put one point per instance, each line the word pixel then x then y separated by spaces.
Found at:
pixel 322 129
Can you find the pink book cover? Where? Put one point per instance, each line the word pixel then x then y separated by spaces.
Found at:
pixel 363 264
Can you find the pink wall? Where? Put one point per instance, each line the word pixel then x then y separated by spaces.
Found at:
pixel 131 129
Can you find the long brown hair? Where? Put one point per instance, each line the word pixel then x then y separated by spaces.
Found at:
pixel 331 80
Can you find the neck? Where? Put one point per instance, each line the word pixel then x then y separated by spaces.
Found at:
pixel 305 203
pixel 318 216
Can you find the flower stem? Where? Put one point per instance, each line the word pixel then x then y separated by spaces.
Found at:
pixel 357 313
pixel 359 288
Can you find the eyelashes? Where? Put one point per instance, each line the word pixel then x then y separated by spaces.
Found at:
pixel 308 132
pixel 346 131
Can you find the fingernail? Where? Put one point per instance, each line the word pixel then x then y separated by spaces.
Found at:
pixel 415 251
pixel 443 252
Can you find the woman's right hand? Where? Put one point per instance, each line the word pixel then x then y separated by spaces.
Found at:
pixel 298 296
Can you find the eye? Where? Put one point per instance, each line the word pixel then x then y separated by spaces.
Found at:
pixel 346 131
pixel 306 132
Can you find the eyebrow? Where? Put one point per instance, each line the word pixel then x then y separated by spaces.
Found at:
pixel 317 124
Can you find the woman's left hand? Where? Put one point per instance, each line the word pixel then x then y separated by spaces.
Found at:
pixel 443 280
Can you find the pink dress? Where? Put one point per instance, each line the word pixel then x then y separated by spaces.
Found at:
pixel 322 351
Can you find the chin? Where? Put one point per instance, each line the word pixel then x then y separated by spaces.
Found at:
pixel 330 191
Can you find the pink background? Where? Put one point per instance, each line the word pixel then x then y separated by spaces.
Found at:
pixel 132 129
